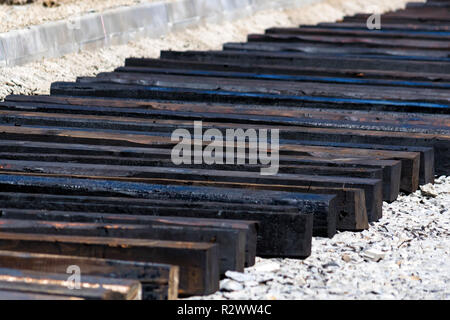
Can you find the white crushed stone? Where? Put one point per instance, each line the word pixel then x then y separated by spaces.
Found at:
pixel 406 255
pixel 36 77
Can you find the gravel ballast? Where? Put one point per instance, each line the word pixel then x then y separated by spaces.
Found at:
pixel 406 255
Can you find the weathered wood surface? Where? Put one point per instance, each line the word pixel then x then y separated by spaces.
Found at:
pixel 412 176
pixel 324 210
pixel 287 88
pixel 249 228
pixel 231 242
pixel 355 172
pixel 306 60
pixel 349 200
pixel 161 157
pixel 429 3
pixel 410 160
pixel 160 127
pixel 114 201
pixel 434 44
pixel 402 21
pixel 113 90
pixel 91 287
pixel 405 19
pixel 157 126
pixel 287 235
pixel 350 204
pixel 163 121
pixel 422 14
pixel 366 122
pixel 158 281
pixel 410 168
pixel 386 26
pixel 346 51
pixel 350 208
pixel 26 296
pixel 270 69
pixel 324 221
pixel 199 263
pixel 300 78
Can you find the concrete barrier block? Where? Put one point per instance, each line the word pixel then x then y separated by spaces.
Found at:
pixel 10 47
pixel 125 24
pixel 55 39
pixel 181 11
pixel 117 26
pixel 155 19
pixel 115 21
pixel 282 4
pixel 208 8
pixel 89 32
pixel 235 9
pixel 294 4
pixel 22 46
pixel 210 11
pixel 2 53
pixel 233 5
pixel 182 14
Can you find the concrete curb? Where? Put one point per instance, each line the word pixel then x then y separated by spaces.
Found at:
pixel 120 25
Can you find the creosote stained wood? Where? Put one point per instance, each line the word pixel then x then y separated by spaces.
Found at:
pixel 199 267
pixel 136 91
pixel 91 287
pixel 270 69
pixel 290 135
pixel 288 88
pixel 27 296
pixel 231 242
pixel 288 234
pixel 249 228
pixel 306 60
pixel 158 281
pixel 410 168
pixel 246 114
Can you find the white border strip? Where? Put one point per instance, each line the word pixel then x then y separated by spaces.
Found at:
pixel 120 25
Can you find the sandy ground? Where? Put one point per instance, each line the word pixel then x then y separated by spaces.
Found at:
pixel 20 16
pixel 36 77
